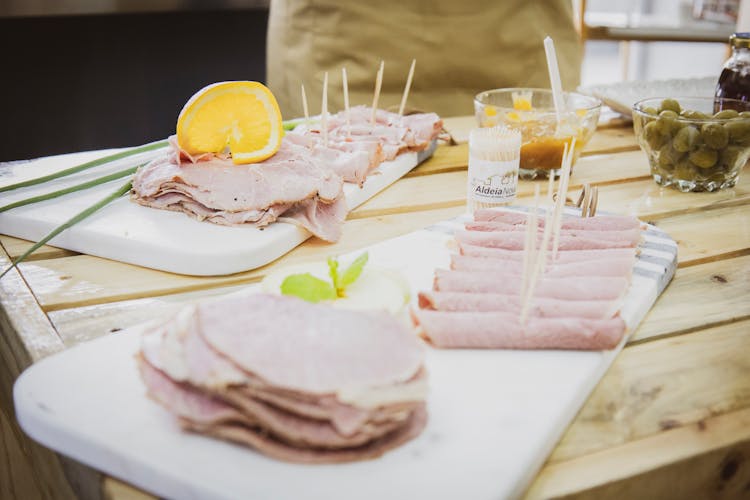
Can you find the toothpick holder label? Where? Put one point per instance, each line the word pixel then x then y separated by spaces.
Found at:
pixel 492 181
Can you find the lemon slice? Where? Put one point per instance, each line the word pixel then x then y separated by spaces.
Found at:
pixel 241 115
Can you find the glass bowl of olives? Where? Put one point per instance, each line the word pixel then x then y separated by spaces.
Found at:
pixel 694 143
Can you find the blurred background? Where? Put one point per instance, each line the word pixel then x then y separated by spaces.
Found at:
pixel 92 74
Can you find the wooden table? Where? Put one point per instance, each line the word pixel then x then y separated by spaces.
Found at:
pixel 671 418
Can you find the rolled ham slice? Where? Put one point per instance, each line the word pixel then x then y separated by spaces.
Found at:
pixel 498 302
pixel 617 235
pixel 600 222
pixel 564 256
pixel 622 267
pixel 583 288
pixel 500 330
pixel 569 240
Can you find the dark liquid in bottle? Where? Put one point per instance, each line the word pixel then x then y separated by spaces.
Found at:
pixel 734 84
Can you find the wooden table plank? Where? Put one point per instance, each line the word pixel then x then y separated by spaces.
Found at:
pixel 81 324
pixel 85 280
pixel 699 296
pixel 27 336
pixel 449 188
pixel 650 201
pixel 701 460
pixel 661 385
pixel 667 318
pixel 16 246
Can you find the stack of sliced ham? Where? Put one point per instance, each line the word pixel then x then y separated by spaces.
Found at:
pixel 302 183
pixel 394 133
pixel 575 303
pixel 297 381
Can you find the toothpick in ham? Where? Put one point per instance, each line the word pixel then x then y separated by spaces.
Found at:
pixel 407 87
pixel 345 84
pixel 304 104
pixel 324 111
pixel 378 84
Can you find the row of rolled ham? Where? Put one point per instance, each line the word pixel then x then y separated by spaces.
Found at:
pixel 302 183
pixel 576 301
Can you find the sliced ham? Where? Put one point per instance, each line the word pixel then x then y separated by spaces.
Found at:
pixel 580 288
pixel 501 330
pixel 192 405
pixel 600 222
pixel 564 256
pixel 394 133
pixel 571 240
pixel 257 439
pixel 595 267
pixel 289 330
pixel 540 306
pixel 282 375
pixel 219 191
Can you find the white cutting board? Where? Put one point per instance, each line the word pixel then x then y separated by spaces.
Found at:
pixel 160 239
pixel 494 415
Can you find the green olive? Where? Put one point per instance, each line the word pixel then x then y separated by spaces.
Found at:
pixel 714 135
pixel 745 114
pixel 668 157
pixel 653 135
pixel 667 122
pixel 685 139
pixel 704 157
pixel 726 113
pixel 730 156
pixel 738 131
pixel 670 104
pixel 693 115
pixel 651 111
pixel 685 170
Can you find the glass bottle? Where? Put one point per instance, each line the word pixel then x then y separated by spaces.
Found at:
pixel 734 81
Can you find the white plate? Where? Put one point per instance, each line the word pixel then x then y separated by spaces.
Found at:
pixel 622 96
pixel 494 415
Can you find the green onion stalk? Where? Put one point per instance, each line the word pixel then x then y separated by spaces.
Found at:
pixel 85 166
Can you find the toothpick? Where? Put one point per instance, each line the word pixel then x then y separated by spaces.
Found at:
pixel 407 87
pixel 551 189
pixel 324 111
pixel 529 259
pixel 345 83
pixel 539 267
pixel 378 84
pixel 304 104
pixel 562 194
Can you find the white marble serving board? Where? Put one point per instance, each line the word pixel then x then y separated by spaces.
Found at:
pixel 159 239
pixel 494 415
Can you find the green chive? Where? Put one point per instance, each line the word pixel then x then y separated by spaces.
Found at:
pixel 74 220
pixel 71 189
pixel 95 163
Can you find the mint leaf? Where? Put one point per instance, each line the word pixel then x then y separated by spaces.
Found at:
pixel 308 287
pixel 354 270
pixel 333 272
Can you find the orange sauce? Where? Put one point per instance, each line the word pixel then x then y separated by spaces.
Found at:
pixel 543 153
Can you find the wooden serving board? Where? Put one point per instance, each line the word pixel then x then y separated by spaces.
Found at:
pixel 159 239
pixel 494 415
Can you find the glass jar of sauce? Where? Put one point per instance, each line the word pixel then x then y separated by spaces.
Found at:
pixel 734 81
